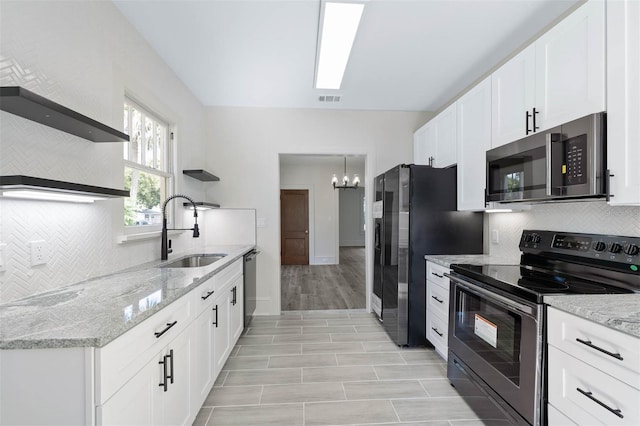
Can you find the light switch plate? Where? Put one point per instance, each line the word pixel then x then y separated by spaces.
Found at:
pixel 495 236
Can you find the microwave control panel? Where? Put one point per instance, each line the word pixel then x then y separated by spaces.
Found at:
pixel 574 167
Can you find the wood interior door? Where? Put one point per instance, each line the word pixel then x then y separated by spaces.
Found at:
pixel 294 227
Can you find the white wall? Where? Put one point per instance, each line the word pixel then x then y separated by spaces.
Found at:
pixel 84 55
pixel 244 147
pixel 352 217
pixel 589 217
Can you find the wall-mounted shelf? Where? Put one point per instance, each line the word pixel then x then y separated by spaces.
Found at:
pixel 19 186
pixel 20 101
pixel 202 175
pixel 202 205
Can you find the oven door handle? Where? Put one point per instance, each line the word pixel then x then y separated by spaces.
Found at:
pixel 479 291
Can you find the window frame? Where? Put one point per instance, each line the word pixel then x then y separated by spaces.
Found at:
pixel 169 174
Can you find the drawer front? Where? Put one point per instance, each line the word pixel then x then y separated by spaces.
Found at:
pixel 121 359
pixel 228 275
pixel 556 418
pixel 586 341
pixel 437 301
pixel 435 274
pixel 437 334
pixel 586 395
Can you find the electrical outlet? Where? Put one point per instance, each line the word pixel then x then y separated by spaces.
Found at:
pixel 39 252
pixel 3 257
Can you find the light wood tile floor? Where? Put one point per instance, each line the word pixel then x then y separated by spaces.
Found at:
pixel 314 287
pixel 332 368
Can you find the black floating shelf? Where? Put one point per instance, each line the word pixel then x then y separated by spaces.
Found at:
pixel 203 204
pixel 202 175
pixel 28 182
pixel 20 101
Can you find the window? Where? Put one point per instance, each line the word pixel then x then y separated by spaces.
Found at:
pixel 147 172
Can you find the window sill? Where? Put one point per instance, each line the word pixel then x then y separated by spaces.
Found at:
pixel 132 238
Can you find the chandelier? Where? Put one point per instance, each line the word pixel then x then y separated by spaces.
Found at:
pixel 345 179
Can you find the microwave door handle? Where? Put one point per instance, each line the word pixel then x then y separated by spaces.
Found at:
pixel 548 151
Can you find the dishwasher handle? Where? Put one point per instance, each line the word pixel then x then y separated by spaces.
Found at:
pixel 251 255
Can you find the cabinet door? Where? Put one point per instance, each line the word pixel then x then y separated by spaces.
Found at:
pixel 176 401
pixel 446 138
pixel 570 67
pixel 623 100
pixel 237 311
pixel 424 144
pixel 474 139
pixel 202 356
pixel 136 403
pixel 512 95
pixel 221 327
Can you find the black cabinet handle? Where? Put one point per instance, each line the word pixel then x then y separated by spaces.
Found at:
pixel 205 297
pixel 437 275
pixel 170 356
pixel 233 300
pixel 436 299
pixel 437 332
pixel 169 325
pixel 589 395
pixel 216 321
pixel 604 351
pixel 164 384
pixel 534 120
pixel 526 118
pixel 609 196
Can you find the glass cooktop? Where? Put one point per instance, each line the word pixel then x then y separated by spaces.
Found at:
pixel 531 283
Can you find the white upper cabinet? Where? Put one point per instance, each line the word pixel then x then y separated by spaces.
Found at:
pixel 570 67
pixel 473 139
pixel 557 79
pixel 435 142
pixel 623 101
pixel 424 144
pixel 512 96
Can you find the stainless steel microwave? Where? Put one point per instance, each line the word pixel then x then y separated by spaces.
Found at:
pixel 564 162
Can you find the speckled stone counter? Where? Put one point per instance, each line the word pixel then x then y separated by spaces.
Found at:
pixel 447 260
pixel 618 311
pixel 92 313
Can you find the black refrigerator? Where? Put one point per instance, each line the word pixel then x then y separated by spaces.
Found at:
pixel 415 215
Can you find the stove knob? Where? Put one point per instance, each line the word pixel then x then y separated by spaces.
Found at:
pixel 615 248
pixel 599 246
pixel 528 238
pixel 631 249
pixel 536 238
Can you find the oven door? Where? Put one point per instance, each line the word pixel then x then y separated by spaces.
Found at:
pixel 500 340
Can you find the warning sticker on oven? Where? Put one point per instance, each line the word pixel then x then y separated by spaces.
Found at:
pixel 486 330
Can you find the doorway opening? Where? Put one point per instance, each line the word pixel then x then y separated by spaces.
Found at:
pixel 333 274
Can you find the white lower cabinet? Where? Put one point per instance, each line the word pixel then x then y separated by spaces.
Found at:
pixel 159 393
pixel 438 308
pixel 592 372
pixel 157 373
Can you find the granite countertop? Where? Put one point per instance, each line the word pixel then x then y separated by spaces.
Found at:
pixel 92 313
pixel 447 260
pixel 618 311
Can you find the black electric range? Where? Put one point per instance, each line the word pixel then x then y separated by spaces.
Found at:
pixel 497 315
pixel 564 263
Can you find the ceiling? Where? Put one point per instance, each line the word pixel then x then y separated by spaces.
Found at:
pixel 408 55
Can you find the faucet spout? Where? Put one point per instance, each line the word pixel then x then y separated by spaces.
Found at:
pixel 164 246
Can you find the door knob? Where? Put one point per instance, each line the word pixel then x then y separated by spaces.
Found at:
pixel 306 231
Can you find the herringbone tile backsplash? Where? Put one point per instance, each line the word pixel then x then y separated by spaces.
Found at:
pixel 589 217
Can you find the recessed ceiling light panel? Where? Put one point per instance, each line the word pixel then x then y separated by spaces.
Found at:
pixel 337 32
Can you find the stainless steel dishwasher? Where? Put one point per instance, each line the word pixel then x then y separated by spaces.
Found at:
pixel 249 286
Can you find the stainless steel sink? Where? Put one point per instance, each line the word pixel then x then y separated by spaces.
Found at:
pixel 195 261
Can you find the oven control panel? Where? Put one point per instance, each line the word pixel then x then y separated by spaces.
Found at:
pixel 611 248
